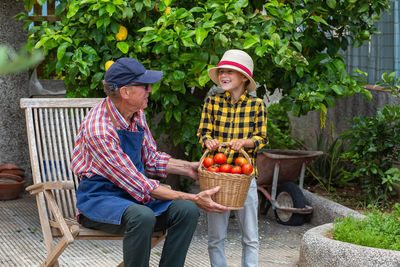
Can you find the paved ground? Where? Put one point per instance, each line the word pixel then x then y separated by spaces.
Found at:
pixel 21 242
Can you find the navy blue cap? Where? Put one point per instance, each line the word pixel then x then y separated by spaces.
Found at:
pixel 127 70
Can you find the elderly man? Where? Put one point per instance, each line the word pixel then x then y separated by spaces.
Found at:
pixel 114 155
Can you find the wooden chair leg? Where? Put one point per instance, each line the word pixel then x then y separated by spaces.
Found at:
pixel 55 253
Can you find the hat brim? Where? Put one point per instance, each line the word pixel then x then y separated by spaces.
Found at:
pixel 149 76
pixel 213 73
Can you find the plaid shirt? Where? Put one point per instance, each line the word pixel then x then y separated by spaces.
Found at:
pixel 98 152
pixel 224 121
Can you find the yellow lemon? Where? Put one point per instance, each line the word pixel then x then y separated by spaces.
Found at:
pixel 122 33
pixel 108 64
pixel 167 11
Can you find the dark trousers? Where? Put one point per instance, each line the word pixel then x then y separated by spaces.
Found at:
pixel 137 226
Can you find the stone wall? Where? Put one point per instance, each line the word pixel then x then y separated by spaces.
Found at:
pixel 13 141
pixel 308 128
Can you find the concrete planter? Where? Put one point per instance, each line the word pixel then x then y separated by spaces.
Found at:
pixel 318 250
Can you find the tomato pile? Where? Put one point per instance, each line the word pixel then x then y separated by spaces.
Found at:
pixel 218 164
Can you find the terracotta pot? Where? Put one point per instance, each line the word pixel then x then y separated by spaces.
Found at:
pixel 18 172
pixel 10 188
pixel 11 176
pixel 7 166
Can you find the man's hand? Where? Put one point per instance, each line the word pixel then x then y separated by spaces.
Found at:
pixel 183 167
pixel 203 200
pixel 192 170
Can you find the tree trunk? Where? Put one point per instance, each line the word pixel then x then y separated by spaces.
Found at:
pixel 13 140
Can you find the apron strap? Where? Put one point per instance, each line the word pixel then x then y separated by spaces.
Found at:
pixel 114 122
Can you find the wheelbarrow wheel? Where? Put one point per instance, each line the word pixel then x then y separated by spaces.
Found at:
pixel 289 195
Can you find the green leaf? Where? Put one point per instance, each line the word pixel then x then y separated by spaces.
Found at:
pixel 110 9
pixel 208 24
pixel 138 6
pixel 363 8
pixel 197 9
pixel 147 3
pixel 99 23
pixel 276 39
pixel 127 13
pixel 145 29
pixel 260 51
pixel 123 47
pixel 89 50
pixel 96 79
pixel 297 45
pixel 204 78
pixel 239 4
pixel 318 19
pixel 338 90
pixel 28 5
pixel 178 75
pixel 201 34
pixel 295 109
pixel 73 9
pixel 181 13
pixel 288 18
pixel 177 116
pixel 300 71
pixel 187 42
pixel 323 108
pixel 174 99
pixel 331 3
pixel 250 41
pixel 61 50
pixel 168 115
pixel 167 2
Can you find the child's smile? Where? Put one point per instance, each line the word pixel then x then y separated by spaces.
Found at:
pixel 231 80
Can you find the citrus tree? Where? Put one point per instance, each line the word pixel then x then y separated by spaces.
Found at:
pixel 294 45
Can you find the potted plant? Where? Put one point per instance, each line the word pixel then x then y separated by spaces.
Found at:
pixel 11 181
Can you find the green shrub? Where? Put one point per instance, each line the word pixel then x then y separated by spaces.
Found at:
pixel 377 229
pixel 327 169
pixel 279 128
pixel 373 146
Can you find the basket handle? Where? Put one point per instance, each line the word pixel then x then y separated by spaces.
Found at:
pixel 224 144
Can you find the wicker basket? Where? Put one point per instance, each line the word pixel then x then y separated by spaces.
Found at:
pixel 234 187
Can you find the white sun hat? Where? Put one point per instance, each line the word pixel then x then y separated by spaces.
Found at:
pixel 236 60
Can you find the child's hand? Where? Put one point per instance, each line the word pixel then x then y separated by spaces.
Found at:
pixel 212 144
pixel 237 144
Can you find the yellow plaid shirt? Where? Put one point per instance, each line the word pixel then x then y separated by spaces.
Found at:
pixel 224 121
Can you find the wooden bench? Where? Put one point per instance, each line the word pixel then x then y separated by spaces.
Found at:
pixel 52 125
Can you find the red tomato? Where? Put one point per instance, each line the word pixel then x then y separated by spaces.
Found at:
pixel 240 161
pixel 213 169
pixel 226 168
pixel 237 170
pixel 247 168
pixel 220 158
pixel 208 161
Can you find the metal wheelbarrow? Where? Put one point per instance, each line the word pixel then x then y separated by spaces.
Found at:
pixel 277 169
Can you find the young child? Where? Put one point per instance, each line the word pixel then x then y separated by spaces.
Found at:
pixel 240 119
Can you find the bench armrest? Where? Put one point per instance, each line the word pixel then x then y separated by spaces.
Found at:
pixel 41 187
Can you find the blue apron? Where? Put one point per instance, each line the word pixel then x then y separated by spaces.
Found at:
pixel 101 200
